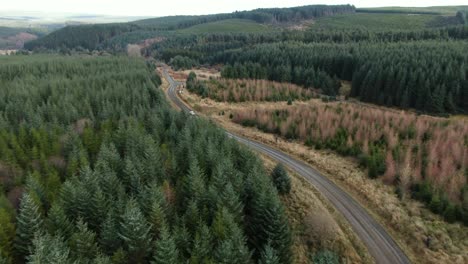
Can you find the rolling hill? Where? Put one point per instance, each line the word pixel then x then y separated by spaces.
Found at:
pixel 228 25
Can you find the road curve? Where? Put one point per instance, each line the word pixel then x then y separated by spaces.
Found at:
pixel 379 243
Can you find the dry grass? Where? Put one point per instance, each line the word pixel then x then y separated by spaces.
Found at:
pixel 408 222
pixel 316 225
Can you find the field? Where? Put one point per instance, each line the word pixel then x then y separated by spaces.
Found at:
pixel 228 26
pixel 366 21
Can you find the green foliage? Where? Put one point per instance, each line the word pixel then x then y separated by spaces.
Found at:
pixel 438 203
pixel 281 179
pixel 269 256
pixel 326 257
pixel 371 21
pixel 7 234
pixel 228 25
pixel 29 223
pixel 135 233
pixel 49 249
pixel 270 226
pixel 182 63
pixel 113 169
pixel 83 243
pixel 166 250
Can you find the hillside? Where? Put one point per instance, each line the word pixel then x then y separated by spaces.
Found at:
pixel 228 26
pixel 377 21
pixel 439 10
pixel 14 38
pixel 85 36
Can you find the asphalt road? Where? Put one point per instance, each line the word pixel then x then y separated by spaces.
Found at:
pixel 379 243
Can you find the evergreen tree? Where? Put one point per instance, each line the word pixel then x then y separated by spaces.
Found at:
pixel 58 222
pixel 166 250
pixel 48 249
pixel 83 243
pixel 281 179
pixel 268 224
pixel 269 256
pixel 29 222
pixel 135 233
pixel 109 237
pixel 7 234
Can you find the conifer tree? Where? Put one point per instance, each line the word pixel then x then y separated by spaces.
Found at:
pixel 269 224
pixel 269 256
pixel 7 234
pixel 58 222
pixel 202 246
pixel 281 179
pixel 48 249
pixel 135 233
pixel 29 222
pixel 166 250
pixel 83 243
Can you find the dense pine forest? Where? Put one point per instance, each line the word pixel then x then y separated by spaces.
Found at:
pixel 95 168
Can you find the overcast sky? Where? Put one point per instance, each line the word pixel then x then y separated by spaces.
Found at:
pixel 187 7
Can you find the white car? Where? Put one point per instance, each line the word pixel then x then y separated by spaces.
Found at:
pixel 192 113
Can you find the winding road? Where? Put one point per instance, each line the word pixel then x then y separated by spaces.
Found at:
pixel 379 243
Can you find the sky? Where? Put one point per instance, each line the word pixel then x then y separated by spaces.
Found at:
pixel 187 7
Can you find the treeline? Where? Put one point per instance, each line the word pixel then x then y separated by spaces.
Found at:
pixel 85 36
pixel 95 168
pixel 92 36
pixel 429 76
pixel 265 15
pixel 203 47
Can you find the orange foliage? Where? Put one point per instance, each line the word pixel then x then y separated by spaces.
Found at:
pixel 418 147
pixel 255 90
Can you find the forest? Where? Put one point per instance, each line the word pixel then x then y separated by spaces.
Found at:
pixel 430 76
pixel 164 187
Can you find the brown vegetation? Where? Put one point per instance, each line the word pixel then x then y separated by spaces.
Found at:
pixel 228 90
pixel 416 147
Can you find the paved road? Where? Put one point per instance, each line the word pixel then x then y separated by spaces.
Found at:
pixel 379 243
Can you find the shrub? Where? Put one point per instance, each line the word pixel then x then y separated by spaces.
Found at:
pixel 281 179
pixel 326 257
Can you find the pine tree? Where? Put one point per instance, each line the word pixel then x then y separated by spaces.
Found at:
pixel 7 234
pixel 109 237
pixel 83 243
pixel 202 246
pixel 58 222
pixel 29 222
pixel 135 233
pixel 233 249
pixel 269 224
pixel 48 249
pixel 166 250
pixel 281 179
pixel 269 256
